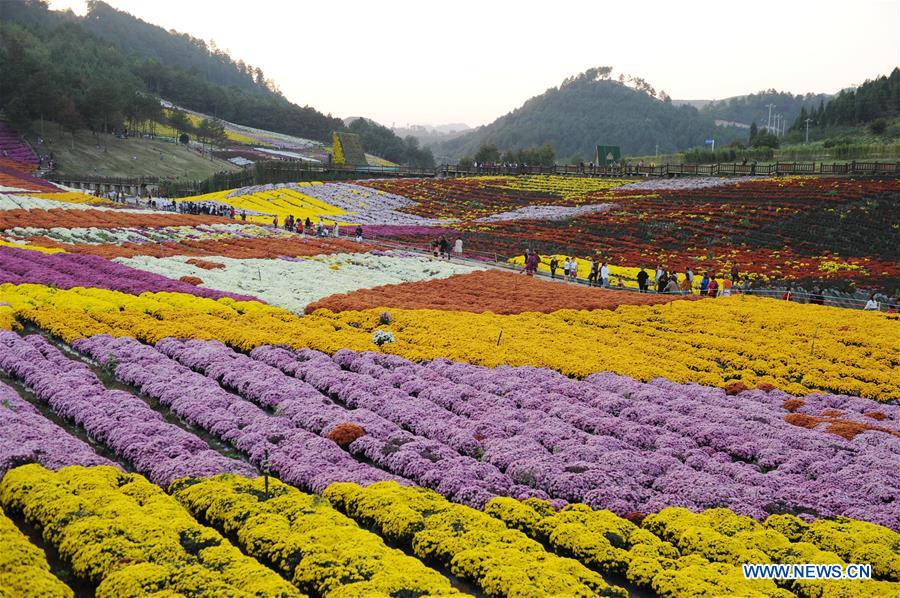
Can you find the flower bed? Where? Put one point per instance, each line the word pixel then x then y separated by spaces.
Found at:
pixel 29 437
pixel 126 535
pixel 270 442
pixel 23 566
pixel 473 545
pixel 755 340
pixel 306 540
pixel 123 423
pixel 68 218
pixel 64 271
pixel 488 290
pixel 294 284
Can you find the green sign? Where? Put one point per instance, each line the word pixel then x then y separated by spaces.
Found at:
pixel 607 154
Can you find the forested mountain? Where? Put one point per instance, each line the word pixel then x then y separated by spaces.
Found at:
pixel 877 99
pixel 754 107
pixel 108 66
pixel 591 109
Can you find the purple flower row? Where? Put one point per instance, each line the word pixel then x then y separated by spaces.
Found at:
pixel 117 419
pixel 29 437
pixel 67 270
pixel 616 443
pixel 298 457
pixel 304 400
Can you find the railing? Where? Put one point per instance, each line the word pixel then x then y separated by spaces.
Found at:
pixel 284 172
pixel 663 170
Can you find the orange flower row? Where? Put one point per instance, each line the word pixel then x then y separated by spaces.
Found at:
pixel 245 248
pixel 489 290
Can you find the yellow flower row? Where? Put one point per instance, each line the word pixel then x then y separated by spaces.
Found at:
pixel 24 570
pixel 308 541
pixel 277 202
pixel 679 553
pixel 563 186
pixel 852 540
pixel 30 247
pixel 798 348
pixel 475 546
pixel 126 534
pixel 612 545
pixel 722 536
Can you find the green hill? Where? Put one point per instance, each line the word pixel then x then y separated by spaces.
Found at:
pixel 106 155
pixel 108 66
pixel 592 109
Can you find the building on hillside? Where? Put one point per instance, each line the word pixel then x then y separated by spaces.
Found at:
pixel 346 149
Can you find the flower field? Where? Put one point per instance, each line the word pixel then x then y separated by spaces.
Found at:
pixel 193 405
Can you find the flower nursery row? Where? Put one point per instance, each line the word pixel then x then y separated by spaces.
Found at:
pixel 752 340
pixel 485 290
pixel 67 270
pixel 606 442
pixel 294 283
pixel 475 555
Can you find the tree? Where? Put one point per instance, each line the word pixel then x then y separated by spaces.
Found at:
pixel 179 121
pixel 754 131
pixel 488 152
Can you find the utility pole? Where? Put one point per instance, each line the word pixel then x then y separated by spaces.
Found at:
pixel 657 149
pixel 769 121
pixel 807 129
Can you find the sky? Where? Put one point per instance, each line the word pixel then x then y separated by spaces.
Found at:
pixel 414 62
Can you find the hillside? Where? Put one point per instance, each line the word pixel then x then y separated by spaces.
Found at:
pixel 754 107
pixel 107 155
pixel 592 109
pixel 105 67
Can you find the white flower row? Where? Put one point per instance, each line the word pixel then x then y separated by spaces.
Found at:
pixel 94 235
pixel 547 212
pixel 687 183
pixel 27 202
pixel 293 284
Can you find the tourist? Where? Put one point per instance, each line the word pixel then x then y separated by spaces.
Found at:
pixel 735 273
pixel 359 232
pixel 299 228
pixel 243 215
pixel 554 264
pixel 642 278
pixel 308 225
pixel 275 221
pixel 871 304
pixel 704 284
pixel 337 230
pixel 619 283
pixel 659 273
pixel 604 275
pixel 713 287
pixel 787 294
pixel 817 298
pixel 662 282
pixel 672 285
pixel 444 246
pixel 566 265
pixel 595 268
pixel 726 286
pixel 745 286
pixel 574 269
pixel 458 247
pixel 320 228
pixel 685 285
pixel 689 275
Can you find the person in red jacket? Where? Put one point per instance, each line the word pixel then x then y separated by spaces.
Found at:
pixel 787 294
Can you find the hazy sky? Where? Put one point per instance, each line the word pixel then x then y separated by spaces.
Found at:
pixel 472 61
